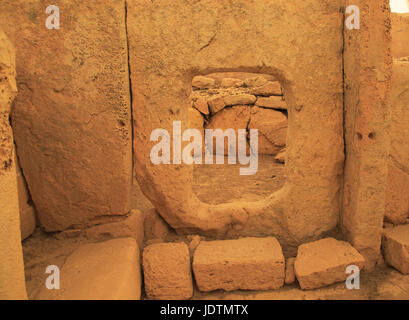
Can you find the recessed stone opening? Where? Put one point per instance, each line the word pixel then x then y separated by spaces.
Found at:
pixel 234 102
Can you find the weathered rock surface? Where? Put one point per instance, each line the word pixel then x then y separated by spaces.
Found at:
pixel 235 118
pixel 167 271
pixel 256 81
pixel 131 226
pixel 397 201
pixel 397 196
pixel 225 37
pixel 231 82
pixel 239 99
pixel 281 156
pixel 201 105
pixel 71 119
pixel 367 74
pixel 395 246
pixel 104 271
pixel 272 102
pixel 324 262
pixel 216 104
pixel 246 264
pixel 400 35
pixel 27 212
pixel 201 82
pixel 154 226
pixel 272 129
pixel 12 281
pixel 289 271
pixel 268 89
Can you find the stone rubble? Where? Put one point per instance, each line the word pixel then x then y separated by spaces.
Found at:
pixel 261 104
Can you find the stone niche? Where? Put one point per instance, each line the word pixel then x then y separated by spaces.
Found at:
pixel 237 103
pixel 269 37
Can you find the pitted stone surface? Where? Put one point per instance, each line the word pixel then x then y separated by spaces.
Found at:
pixel 325 262
pixel 246 264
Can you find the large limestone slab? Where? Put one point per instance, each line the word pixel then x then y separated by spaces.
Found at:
pixel 103 271
pixel 395 246
pixel 367 74
pixel 272 129
pixel 397 200
pixel 242 36
pixel 246 264
pixel 167 271
pixel 12 282
pixel 130 226
pixel 324 262
pixel 71 118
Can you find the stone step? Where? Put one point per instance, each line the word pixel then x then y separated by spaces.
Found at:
pixel 103 271
pixel 246 264
pixel 167 271
pixel 395 245
pixel 324 262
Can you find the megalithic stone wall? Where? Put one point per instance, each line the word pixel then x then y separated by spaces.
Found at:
pixel 367 72
pixel 71 119
pixel 12 281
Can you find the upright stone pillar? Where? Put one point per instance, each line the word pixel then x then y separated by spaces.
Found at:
pixel 367 72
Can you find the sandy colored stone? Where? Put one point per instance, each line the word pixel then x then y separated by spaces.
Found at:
pixel 71 119
pixel 289 271
pixel 256 81
pixel 225 38
pixel 324 262
pixel 27 212
pixel 239 99
pixel 397 201
pixel 231 82
pixel 395 245
pixel 201 82
pixel 103 271
pixel 154 226
pixel 268 89
pixel 367 74
pixel 216 104
pixel 271 103
pixel 272 129
pixel 281 156
pixel 235 118
pixel 130 226
pixel 397 196
pixel 400 35
pixel 201 105
pixel 12 280
pixel 246 264
pixel 167 271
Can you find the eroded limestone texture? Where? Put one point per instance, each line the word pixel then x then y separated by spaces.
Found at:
pixel 368 68
pixel 273 37
pixel 12 282
pixel 72 116
pixel 397 196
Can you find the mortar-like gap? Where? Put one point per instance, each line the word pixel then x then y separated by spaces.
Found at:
pixel 239 100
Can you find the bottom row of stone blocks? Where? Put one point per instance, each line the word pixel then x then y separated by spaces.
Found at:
pixel 243 264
